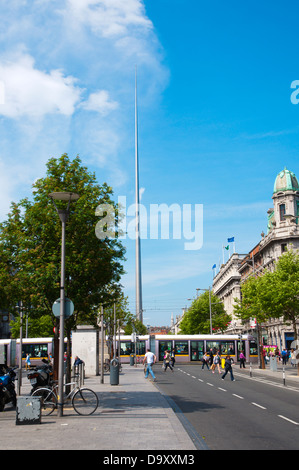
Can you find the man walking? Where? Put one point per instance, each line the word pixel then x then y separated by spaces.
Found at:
pixel 150 358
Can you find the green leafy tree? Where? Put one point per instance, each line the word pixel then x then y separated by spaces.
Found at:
pixel 197 318
pixel 134 325
pixel 30 242
pixel 273 294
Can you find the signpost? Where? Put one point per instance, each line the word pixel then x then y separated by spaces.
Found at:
pixel 68 308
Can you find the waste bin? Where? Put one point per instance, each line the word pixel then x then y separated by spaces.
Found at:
pixel 114 372
pixel 223 363
pixel 132 359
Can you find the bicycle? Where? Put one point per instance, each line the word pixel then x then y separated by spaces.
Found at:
pixel 84 400
pixel 107 366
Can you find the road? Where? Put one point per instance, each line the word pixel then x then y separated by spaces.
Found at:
pixel 248 414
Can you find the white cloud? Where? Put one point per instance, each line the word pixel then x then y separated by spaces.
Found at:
pixel 32 92
pixel 100 102
pixel 108 18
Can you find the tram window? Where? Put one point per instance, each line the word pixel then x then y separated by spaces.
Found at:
pixel 181 347
pixel 35 350
pixel 214 345
pixel 197 350
pixel 253 348
pixel 127 348
pixel 164 346
pixel 140 348
pixel 228 347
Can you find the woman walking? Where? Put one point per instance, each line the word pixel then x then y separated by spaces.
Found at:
pixel 242 360
pixel 167 361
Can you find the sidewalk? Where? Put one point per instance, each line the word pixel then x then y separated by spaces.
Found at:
pixel 133 415
pixel 291 373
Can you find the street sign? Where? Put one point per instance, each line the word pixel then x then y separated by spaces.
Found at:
pixel 68 308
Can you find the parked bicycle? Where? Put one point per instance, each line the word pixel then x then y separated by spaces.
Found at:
pixel 83 400
pixel 107 366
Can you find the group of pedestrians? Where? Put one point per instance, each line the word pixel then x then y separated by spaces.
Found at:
pixel 150 359
pixel 211 361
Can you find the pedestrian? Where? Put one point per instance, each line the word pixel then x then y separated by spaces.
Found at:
pixel 205 361
pixel 277 355
pixel 150 359
pixel 216 362
pixel 211 357
pixel 78 361
pixel 242 360
pixel 172 357
pixel 228 368
pixel 293 358
pixel 27 361
pixel 284 356
pixel 50 359
pixel 167 362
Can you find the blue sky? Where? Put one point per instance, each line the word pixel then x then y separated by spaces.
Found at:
pixel 216 122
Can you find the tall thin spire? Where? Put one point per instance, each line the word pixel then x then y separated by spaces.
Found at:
pixel 139 313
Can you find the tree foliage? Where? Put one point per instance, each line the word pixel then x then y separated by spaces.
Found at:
pixel 30 247
pixel 196 320
pixel 273 294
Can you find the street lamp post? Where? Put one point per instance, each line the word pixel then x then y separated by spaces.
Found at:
pixel 63 215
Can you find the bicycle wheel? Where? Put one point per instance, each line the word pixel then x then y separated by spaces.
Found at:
pixel 48 400
pixel 85 401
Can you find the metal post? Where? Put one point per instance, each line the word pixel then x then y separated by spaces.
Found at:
pixel 21 347
pixel 102 345
pixel 114 332
pixel 63 215
pixel 210 307
pixel 139 310
pixel 283 375
pixel 250 369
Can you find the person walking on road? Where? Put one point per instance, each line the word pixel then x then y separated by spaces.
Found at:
pixel 172 356
pixel 216 362
pixel 150 359
pixel 205 361
pixel 242 360
pixel 228 368
pixel 167 361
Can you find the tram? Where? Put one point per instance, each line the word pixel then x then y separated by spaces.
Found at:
pixel 38 348
pixel 188 348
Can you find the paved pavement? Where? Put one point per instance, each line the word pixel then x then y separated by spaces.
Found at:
pixel 132 416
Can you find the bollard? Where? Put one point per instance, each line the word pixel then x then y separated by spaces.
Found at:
pixel 114 372
pixel 283 376
pixel 250 369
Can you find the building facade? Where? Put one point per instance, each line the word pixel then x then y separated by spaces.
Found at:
pixel 282 234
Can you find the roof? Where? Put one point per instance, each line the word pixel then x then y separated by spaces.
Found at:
pixel 286 181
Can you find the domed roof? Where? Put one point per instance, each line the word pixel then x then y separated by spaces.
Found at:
pixel 286 181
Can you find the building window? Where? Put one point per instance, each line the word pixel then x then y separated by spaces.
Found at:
pixel 283 247
pixel 282 211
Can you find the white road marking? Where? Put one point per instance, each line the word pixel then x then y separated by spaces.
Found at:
pixel 287 419
pixel 259 406
pixel 238 396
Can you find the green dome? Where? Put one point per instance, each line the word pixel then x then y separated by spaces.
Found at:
pixel 286 181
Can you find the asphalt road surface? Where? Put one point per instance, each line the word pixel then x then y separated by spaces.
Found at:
pixel 248 414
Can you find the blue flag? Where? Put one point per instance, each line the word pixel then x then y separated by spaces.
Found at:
pixel 230 240
pixel 213 267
